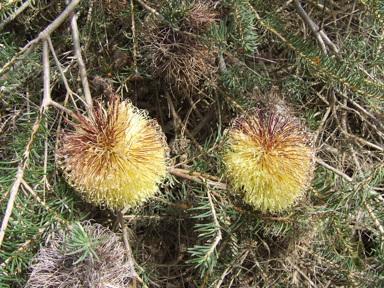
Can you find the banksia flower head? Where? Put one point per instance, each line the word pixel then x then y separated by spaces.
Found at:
pixel 59 263
pixel 270 158
pixel 116 156
pixel 177 57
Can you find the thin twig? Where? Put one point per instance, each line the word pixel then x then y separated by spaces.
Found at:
pixel 337 171
pixel 283 6
pixel 178 120
pixel 318 32
pixel 3 125
pixel 351 136
pixel 134 51
pixel 69 91
pixel 303 274
pixel 231 265
pixel 375 221
pixel 321 26
pixel 361 109
pixel 65 110
pixel 145 217
pixel 363 119
pixel 198 156
pixel 157 14
pixel 80 62
pixel 311 25
pixel 349 273
pixel 45 179
pixel 319 6
pixel 198 177
pixel 204 121
pixel 229 99
pixel 306 58
pixel 265 276
pixel 41 202
pixel 316 134
pixel 120 218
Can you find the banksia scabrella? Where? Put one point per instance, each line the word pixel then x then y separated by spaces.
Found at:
pixel 116 156
pixel 57 263
pixel 175 55
pixel 270 158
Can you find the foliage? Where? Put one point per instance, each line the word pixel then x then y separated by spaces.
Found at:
pixel 195 66
pixel 82 254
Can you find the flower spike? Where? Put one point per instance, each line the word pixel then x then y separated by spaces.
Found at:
pixel 116 156
pixel 270 158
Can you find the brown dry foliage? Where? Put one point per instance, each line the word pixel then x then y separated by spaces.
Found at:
pixel 53 267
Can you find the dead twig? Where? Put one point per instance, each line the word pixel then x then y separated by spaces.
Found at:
pixel 80 62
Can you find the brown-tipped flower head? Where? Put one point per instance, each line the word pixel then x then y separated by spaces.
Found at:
pixel 116 156
pixel 270 158
pixel 177 57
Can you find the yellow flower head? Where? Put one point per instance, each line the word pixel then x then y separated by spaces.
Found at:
pixel 270 158
pixel 116 156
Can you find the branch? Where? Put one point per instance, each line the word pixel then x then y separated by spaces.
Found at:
pixel 65 110
pixel 218 230
pixel 198 177
pixel 157 14
pixel 14 15
pixel 46 75
pixel 338 172
pixel 134 52
pixel 59 67
pixel 43 35
pixel 128 248
pixel 217 238
pixel 27 150
pixel 178 120
pixel 319 33
pixel 310 61
pixel 375 221
pixel 80 62
pixel 311 25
